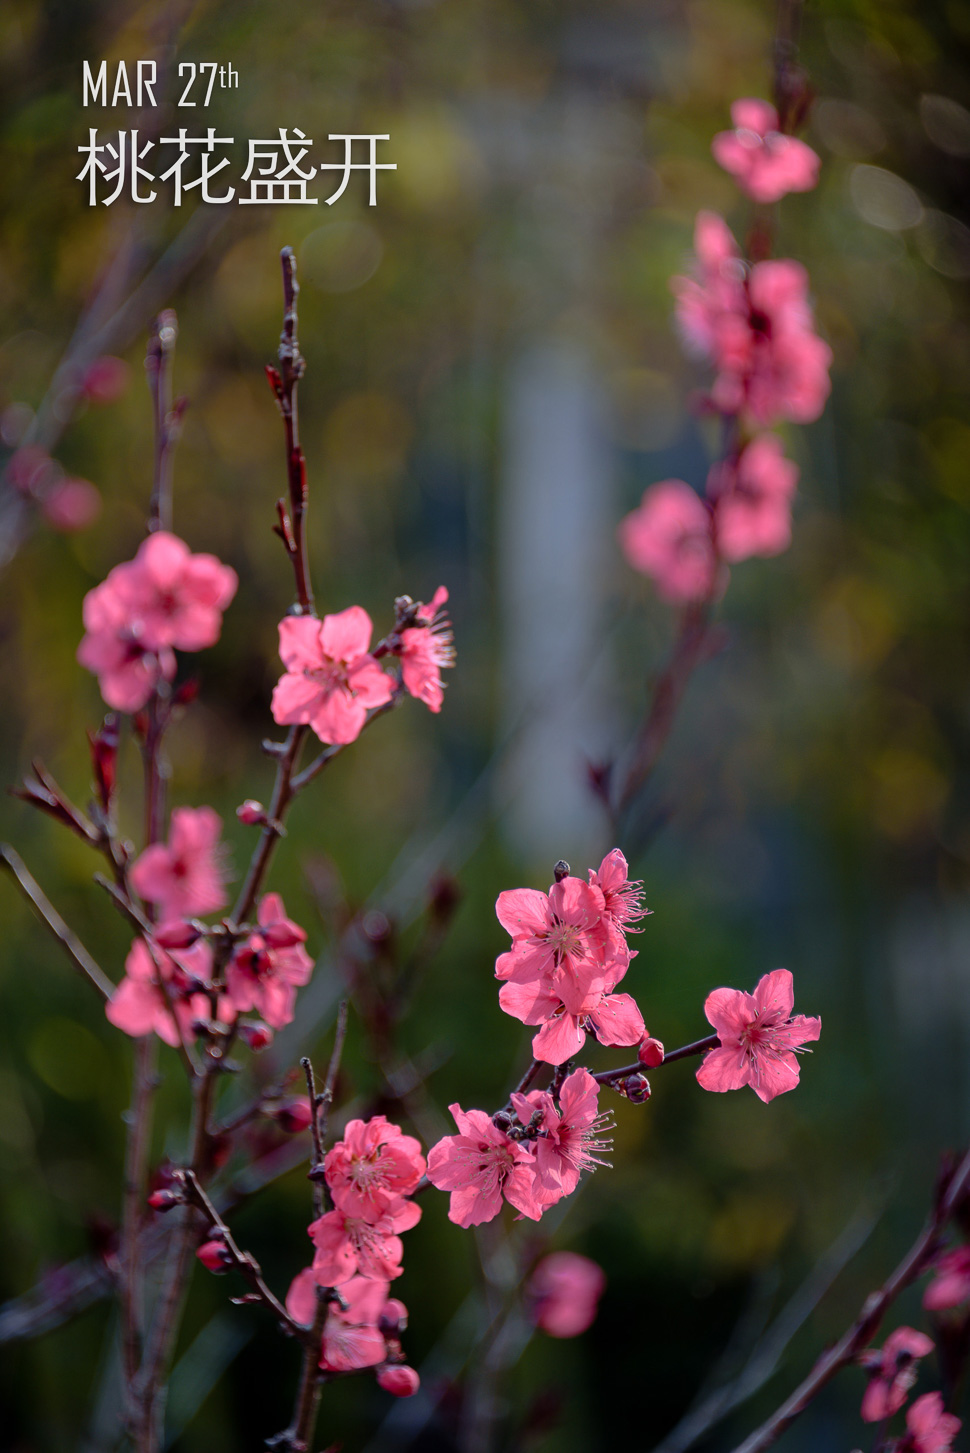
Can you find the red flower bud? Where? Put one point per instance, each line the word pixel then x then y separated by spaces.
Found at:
pixel 256 1035
pixel 251 812
pixel 402 1381
pixel 394 1318
pixel 293 1116
pixel 651 1053
pixel 284 934
pixel 215 1255
pixel 176 933
pixel 636 1088
pixel 164 1200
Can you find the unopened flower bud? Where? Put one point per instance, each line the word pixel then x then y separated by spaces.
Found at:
pixel 293 1116
pixel 215 1255
pixel 401 1381
pixel 164 1200
pixel 176 933
pixel 257 1036
pixel 284 934
pixel 636 1088
pixel 394 1318
pixel 251 812
pixel 650 1053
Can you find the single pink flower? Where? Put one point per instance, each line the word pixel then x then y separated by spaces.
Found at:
pixel 562 943
pixel 752 500
pixel 765 163
pixel 140 1005
pixel 72 504
pixel 950 1286
pixel 399 1380
pixel 331 679
pixel 184 876
pixel 127 671
pixel 426 651
pixel 346 1245
pixel 758 1035
pixel 571 1137
pixel 711 306
pixel 351 1339
pixel 781 371
pixel 174 598
pixel 669 537
pixel 563 1293
pixel 265 972
pixel 622 899
pixel 372 1167
pixel 479 1166
pixel 613 1018
pixel 929 1428
pixel 893 1372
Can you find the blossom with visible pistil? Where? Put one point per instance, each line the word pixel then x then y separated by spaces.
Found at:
pixel 892 1372
pixel 347 1245
pixel 950 1286
pixel 613 1018
pixel 563 1293
pixel 265 972
pixel 331 679
pixel 479 1166
pixel 929 1427
pixel 185 875
pixel 752 497
pixel 560 941
pixel 426 650
pixel 372 1167
pixel 622 899
pixel 764 162
pixel 570 1137
pixel 669 537
pixel 758 1037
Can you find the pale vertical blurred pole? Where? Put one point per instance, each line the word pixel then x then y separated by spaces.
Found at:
pixel 555 529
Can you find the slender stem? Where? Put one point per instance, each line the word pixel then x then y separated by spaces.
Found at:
pixel 699 1046
pixel 136 1157
pixel 292 368
pixel 271 833
pixel 158 367
pixel 866 1324
pixel 66 937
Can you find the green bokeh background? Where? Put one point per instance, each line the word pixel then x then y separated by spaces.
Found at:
pixel 815 799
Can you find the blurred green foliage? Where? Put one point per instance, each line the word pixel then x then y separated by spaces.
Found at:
pixel 816 801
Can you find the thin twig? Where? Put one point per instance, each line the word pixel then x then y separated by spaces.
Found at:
pixel 699 1046
pixel 158 367
pixel 65 936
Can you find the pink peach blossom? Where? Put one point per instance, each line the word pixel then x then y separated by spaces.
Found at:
pixel 71 504
pixel 758 1036
pixel 563 1293
pixel 950 1286
pixel 711 307
pixel 426 651
pixel 265 972
pixel 140 1005
pixel 622 899
pixel 669 537
pixel 351 1339
pixel 752 500
pixel 127 671
pixel 346 1245
pixel 571 1137
pixel 331 679
pixel 372 1167
pixel 561 941
pixel 613 1018
pixel 929 1428
pixel 479 1166
pixel 764 162
pixel 184 876
pixel 894 1372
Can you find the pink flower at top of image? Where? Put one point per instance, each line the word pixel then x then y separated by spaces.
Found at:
pixel 372 1167
pixel 184 876
pixel 892 1372
pixel 426 651
pixel 351 1338
pixel 331 680
pixel 765 163
pixel 929 1427
pixel 758 1038
pixel 752 500
pixel 265 972
pixel 346 1245
pixel 669 537
pixel 481 1165
pixel 572 1136
pixel 163 599
pixel 140 1005
pixel 563 1293
pixel 950 1286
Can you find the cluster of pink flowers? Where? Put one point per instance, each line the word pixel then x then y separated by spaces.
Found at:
pixel 164 600
pixel 569 951
pixel 333 679
pixel 753 323
pixel 371 1174
pixel 892 1373
pixel 168 981
pixel 530 1155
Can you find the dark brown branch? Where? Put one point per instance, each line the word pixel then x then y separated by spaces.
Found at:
pixel 158 367
pixel 292 526
pixel 65 936
pixel 866 1324
pixel 699 1046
